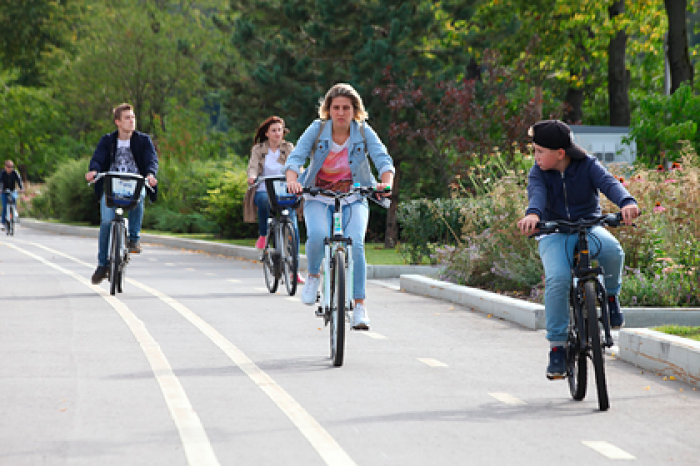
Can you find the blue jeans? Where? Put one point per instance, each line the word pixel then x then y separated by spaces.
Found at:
pixel 263 204
pixel 106 217
pixel 556 251
pixel 5 200
pixel 319 218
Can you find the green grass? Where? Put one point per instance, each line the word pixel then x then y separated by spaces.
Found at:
pixel 681 331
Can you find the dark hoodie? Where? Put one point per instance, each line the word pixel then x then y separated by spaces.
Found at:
pixel 573 195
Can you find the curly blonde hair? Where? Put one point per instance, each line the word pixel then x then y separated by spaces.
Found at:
pixel 342 90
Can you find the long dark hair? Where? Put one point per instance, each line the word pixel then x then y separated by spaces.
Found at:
pixel 260 135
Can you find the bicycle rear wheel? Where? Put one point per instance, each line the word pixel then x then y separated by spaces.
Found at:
pixel 114 257
pixel 577 364
pixel 290 261
pixel 10 227
pixel 268 260
pixel 338 308
pixel 596 348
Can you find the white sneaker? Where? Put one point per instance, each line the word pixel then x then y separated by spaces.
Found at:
pixel 310 291
pixel 361 317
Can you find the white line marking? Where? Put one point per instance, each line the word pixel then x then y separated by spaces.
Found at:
pixel 508 399
pixel 170 264
pixel 195 442
pixel 210 274
pixel 233 280
pixel 261 289
pixel 190 269
pixel 432 362
pixel 324 444
pixel 291 298
pixel 608 450
pixel 375 335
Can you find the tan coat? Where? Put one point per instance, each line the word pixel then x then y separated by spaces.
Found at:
pixel 255 168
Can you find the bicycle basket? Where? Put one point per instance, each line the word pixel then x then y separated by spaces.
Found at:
pixel 123 189
pixel 277 193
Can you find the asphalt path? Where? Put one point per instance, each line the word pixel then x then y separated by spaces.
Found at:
pixel 196 363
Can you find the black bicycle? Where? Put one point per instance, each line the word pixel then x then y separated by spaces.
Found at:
pixel 11 216
pixel 123 192
pixel 280 257
pixel 336 293
pixel 588 307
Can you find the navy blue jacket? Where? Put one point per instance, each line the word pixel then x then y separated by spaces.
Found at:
pixel 144 155
pixel 10 180
pixel 573 195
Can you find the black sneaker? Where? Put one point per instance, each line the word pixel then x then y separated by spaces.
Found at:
pixel 134 247
pixel 100 274
pixel 557 363
pixel 617 318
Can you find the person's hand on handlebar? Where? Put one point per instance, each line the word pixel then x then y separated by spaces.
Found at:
pixel 90 176
pixel 629 213
pixel 151 180
pixel 292 185
pixel 528 224
pixel 382 187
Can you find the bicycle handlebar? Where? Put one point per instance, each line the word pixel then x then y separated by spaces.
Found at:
pixel 556 226
pixel 101 175
pixel 364 191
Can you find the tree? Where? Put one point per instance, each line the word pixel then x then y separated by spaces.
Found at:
pixel 32 31
pixel 148 54
pixel 618 74
pixel 678 56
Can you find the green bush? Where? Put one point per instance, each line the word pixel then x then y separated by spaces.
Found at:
pixel 224 204
pixel 661 122
pixel 67 195
pixel 426 224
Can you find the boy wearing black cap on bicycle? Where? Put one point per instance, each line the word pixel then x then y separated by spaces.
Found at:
pixel 564 184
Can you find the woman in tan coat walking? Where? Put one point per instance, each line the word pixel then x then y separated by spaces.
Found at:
pixel 267 158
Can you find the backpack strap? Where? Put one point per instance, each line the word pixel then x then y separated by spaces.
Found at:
pixel 318 136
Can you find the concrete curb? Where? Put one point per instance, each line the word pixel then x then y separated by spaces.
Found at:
pixel 228 250
pixel 531 315
pixel 527 314
pixel 660 352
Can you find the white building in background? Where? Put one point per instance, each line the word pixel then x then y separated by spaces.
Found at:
pixel 605 142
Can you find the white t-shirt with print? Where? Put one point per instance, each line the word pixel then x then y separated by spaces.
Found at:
pixel 271 167
pixel 124 159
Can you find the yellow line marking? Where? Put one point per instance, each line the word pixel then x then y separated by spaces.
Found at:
pixel 608 450
pixel 195 442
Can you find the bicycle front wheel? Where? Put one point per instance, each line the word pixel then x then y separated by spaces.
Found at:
pixel 338 308
pixel 268 260
pixel 115 257
pixel 290 261
pixel 576 362
pixel 596 348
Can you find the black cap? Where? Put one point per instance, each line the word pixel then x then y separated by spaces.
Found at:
pixel 555 134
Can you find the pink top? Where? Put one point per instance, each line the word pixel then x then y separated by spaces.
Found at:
pixel 335 174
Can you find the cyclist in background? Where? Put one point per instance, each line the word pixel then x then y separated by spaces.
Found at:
pixel 564 184
pixel 128 151
pixel 10 181
pixel 267 158
pixel 338 160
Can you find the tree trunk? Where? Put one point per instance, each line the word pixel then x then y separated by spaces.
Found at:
pixel 473 70
pixel 391 233
pixel 538 102
pixel 618 74
pixel 573 114
pixel 678 56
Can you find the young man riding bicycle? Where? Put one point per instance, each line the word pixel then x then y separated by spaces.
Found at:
pixel 9 181
pixel 564 184
pixel 128 151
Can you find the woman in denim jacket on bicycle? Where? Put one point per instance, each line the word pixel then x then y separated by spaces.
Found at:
pixel 338 153
pixel 564 184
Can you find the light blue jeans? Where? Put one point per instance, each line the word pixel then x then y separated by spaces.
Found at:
pixel 5 200
pixel 319 218
pixel 557 252
pixel 106 217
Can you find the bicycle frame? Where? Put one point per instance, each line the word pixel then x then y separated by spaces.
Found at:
pixel 582 272
pixel 332 243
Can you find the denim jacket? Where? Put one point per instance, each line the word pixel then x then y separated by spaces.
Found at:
pixel 359 164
